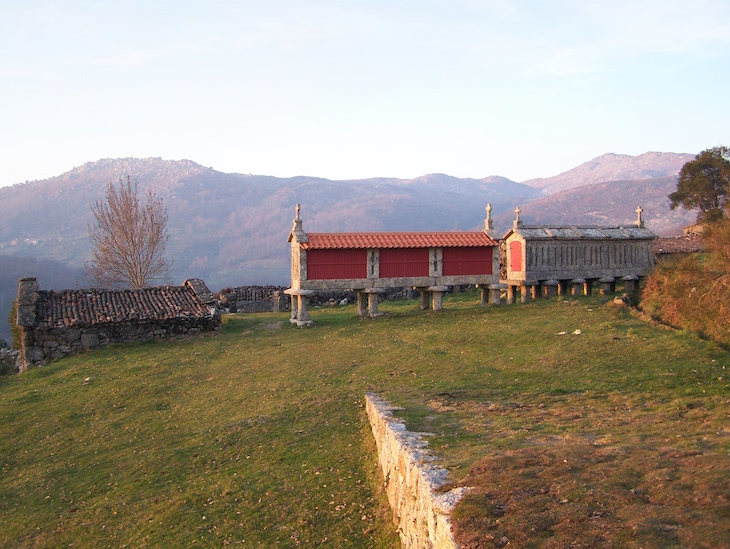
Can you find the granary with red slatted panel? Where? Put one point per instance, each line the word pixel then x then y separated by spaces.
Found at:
pixel 369 263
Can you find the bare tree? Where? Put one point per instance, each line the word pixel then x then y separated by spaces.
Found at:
pixel 128 238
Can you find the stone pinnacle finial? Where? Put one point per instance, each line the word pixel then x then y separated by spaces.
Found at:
pixel 488 223
pixel 517 223
pixel 639 221
pixel 297 232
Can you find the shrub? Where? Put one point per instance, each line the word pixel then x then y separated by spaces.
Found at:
pixel 694 293
pixel 13 321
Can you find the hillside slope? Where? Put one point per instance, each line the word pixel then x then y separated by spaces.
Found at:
pixel 614 167
pixel 608 203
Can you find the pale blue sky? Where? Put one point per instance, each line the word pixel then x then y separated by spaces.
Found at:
pixel 349 90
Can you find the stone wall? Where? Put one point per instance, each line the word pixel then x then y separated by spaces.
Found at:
pixel 8 361
pixel 43 345
pixel 411 480
pixel 253 299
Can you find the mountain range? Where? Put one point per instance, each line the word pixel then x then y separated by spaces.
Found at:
pixel 231 229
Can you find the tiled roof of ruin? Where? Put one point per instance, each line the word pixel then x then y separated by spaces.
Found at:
pixel 683 244
pixel 82 308
pixel 318 241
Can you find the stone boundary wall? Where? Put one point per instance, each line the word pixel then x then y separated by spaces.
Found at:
pixel 253 299
pixel 411 480
pixel 265 299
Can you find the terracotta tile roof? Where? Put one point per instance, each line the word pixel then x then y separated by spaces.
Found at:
pixel 318 241
pixel 83 308
pixel 684 244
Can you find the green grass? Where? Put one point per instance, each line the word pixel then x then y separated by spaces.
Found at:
pixel 257 435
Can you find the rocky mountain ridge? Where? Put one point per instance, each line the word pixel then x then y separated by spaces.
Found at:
pixel 614 167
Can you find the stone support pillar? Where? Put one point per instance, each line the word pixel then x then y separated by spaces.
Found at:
pixel 588 287
pixel 437 293
pixel 551 288
pixel 362 300
pixel 510 294
pixel 577 286
pixel 373 300
pixel 535 291
pixel 294 309
pixel 562 287
pixel 631 284
pixel 303 315
pixel 525 293
pixel 484 292
pixel 299 314
pixel 424 298
pixel 608 285
pixel 495 291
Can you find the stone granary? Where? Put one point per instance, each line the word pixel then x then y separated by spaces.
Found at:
pixel 555 260
pixel 369 263
pixel 54 324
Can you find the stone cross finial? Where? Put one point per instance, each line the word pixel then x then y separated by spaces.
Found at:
pixel 639 221
pixel 298 208
pixel 489 224
pixel 517 222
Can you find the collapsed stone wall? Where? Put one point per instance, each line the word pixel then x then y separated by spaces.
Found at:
pixel 411 481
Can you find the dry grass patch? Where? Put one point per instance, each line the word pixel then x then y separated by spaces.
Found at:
pixel 597 471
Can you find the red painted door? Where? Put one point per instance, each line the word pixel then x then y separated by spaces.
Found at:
pixel 515 256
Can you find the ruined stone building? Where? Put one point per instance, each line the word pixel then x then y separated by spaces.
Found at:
pixel 54 324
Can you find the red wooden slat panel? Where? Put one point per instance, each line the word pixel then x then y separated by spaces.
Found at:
pixel 334 264
pixel 403 262
pixel 515 256
pixel 467 261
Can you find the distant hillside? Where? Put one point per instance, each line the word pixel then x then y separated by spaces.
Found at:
pixel 607 203
pixel 614 167
pixel 231 229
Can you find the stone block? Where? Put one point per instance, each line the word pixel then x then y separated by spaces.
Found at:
pixel 89 341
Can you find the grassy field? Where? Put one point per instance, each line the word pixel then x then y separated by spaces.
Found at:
pixel 617 436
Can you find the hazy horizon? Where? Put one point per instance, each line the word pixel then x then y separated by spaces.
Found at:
pixel 349 91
